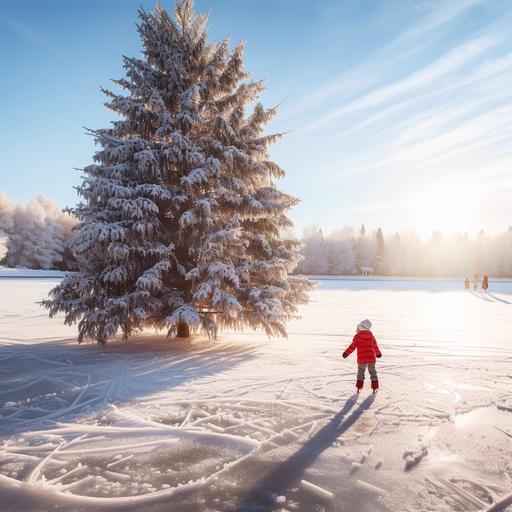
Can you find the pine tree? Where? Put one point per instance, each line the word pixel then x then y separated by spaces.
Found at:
pixel 364 250
pixel 181 219
pixel 394 255
pixel 380 252
pixel 313 252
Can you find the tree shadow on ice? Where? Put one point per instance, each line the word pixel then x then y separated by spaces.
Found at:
pixel 43 383
pixel 283 476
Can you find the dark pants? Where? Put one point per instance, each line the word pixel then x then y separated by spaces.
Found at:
pixel 361 368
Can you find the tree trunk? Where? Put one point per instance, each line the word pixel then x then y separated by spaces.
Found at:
pixel 183 330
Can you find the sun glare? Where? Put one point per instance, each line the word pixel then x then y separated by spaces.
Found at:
pixel 445 211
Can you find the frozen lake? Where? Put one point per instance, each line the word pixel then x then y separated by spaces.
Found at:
pixel 245 423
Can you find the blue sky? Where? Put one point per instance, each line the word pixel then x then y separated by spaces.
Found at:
pixel 399 112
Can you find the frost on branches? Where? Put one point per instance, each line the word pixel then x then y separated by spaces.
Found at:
pixel 181 219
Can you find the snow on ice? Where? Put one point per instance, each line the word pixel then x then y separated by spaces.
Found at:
pixel 244 423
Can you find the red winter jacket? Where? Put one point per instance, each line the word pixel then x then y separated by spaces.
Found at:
pixel 367 348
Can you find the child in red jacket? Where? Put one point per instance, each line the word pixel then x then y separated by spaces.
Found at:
pixel 367 351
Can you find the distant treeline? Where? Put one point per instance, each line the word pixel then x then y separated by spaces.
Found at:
pixel 351 252
pixel 35 235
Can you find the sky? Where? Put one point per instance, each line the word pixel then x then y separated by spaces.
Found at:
pixel 398 114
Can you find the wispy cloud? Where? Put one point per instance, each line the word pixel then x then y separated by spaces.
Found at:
pixel 402 47
pixel 436 108
pixel 21 28
pixel 440 121
pixel 417 82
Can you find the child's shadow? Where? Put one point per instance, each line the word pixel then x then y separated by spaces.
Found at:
pixel 283 476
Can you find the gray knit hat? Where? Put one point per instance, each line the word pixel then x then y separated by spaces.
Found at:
pixel 365 325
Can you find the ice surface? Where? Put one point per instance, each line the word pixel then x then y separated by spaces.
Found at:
pixel 6 272
pixel 240 424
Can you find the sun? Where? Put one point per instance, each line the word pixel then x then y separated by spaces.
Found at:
pixel 444 210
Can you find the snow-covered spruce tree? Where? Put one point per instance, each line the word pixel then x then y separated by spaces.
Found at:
pixel 181 219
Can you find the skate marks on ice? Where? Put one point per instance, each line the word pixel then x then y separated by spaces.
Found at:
pixel 466 494
pixel 200 427
pixel 41 383
pixel 282 476
pixel 120 461
pixel 155 448
pixel 461 476
pixel 101 455
pixel 100 429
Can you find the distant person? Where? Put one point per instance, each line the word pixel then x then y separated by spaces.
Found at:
pixel 466 284
pixel 367 351
pixel 485 283
pixel 475 282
